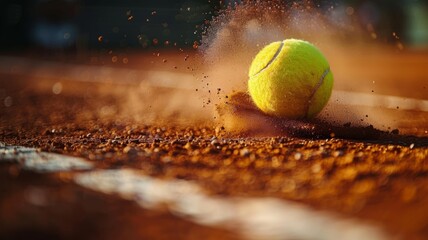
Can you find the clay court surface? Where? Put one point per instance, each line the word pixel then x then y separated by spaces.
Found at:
pixel 148 116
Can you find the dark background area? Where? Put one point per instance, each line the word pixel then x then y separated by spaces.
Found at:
pixel 111 24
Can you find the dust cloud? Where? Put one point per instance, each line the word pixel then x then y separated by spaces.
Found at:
pixel 359 62
pixel 374 81
pixel 237 34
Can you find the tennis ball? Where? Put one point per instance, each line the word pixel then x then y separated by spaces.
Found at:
pixel 290 79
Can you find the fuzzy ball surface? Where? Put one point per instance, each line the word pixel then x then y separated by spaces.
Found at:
pixel 290 79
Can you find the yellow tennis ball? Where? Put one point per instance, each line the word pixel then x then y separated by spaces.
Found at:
pixel 290 79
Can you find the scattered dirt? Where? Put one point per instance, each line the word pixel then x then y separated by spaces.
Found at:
pixel 358 172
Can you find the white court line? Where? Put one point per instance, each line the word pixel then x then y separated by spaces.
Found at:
pixel 175 80
pixel 378 100
pixel 97 74
pixel 252 218
pixel 255 218
pixel 32 159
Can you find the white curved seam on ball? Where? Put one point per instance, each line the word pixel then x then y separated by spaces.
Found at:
pixel 278 51
pixel 320 82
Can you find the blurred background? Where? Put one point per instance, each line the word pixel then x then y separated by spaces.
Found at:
pixel 79 26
